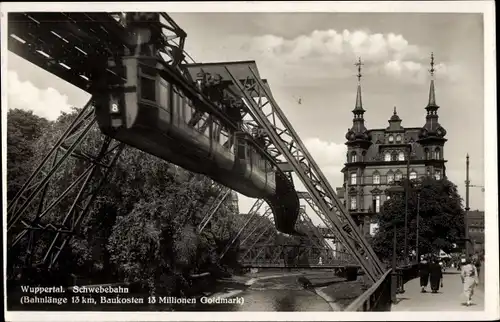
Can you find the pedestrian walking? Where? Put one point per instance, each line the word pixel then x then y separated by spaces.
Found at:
pixel 469 279
pixel 477 263
pixel 423 271
pixel 435 275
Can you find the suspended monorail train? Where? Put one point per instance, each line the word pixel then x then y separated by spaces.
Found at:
pixel 152 115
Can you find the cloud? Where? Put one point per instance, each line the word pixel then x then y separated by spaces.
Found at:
pixel 48 103
pixel 326 50
pixel 329 156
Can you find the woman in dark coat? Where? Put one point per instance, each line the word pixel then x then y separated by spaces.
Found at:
pixel 435 275
pixel 423 271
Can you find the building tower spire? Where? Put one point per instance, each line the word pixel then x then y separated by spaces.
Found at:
pixel 358 130
pixel 432 94
pixel 358 108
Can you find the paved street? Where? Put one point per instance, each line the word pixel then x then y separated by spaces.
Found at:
pixel 449 298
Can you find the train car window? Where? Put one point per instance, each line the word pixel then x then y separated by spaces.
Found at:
pixel 208 130
pixel 242 149
pixel 176 102
pixel 187 110
pixel 148 71
pixel 148 90
pixel 164 89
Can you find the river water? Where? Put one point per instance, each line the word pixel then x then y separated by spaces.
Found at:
pixel 277 294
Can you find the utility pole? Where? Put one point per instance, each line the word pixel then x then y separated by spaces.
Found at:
pixel 407 188
pixel 467 185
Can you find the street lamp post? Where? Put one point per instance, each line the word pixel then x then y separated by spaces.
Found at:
pixel 395 286
pixel 467 182
pixel 418 219
pixel 394 277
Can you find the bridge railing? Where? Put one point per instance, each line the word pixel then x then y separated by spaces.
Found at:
pixel 376 298
pixel 379 296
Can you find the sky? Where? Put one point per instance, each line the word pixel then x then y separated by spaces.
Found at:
pixel 311 56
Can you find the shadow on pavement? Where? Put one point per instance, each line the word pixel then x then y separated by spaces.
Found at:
pixel 400 299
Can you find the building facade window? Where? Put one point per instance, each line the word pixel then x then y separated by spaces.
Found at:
pixel 376 203
pixel 437 154
pixel 398 176
pixel 437 174
pixel 401 156
pixel 387 156
pixel 391 139
pixel 398 138
pixel 354 156
pixel 353 203
pixel 354 177
pixel 413 175
pixel 376 178
pixel 390 177
pixel 427 154
pixel 394 156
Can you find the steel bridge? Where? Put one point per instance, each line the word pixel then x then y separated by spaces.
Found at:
pixel 145 89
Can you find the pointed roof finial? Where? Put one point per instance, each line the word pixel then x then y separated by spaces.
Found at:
pixel 395 110
pixel 359 64
pixel 432 70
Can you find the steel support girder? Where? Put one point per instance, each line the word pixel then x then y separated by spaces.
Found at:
pixel 258 224
pixel 289 145
pixel 253 212
pixel 108 154
pixel 215 206
pixel 264 231
pixel 316 232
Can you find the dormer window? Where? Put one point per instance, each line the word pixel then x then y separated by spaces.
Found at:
pixel 401 156
pixel 391 139
pixel 398 138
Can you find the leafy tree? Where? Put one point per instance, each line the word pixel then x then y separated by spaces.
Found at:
pixel 23 130
pixel 440 222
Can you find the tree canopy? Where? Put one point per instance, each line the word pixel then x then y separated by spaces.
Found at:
pixel 440 219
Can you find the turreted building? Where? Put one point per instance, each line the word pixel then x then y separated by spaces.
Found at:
pixel 378 158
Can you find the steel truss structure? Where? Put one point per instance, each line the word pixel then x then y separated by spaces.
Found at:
pixel 266 253
pixel 285 143
pixel 28 208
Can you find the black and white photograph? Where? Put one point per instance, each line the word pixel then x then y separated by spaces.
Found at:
pixel 251 160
